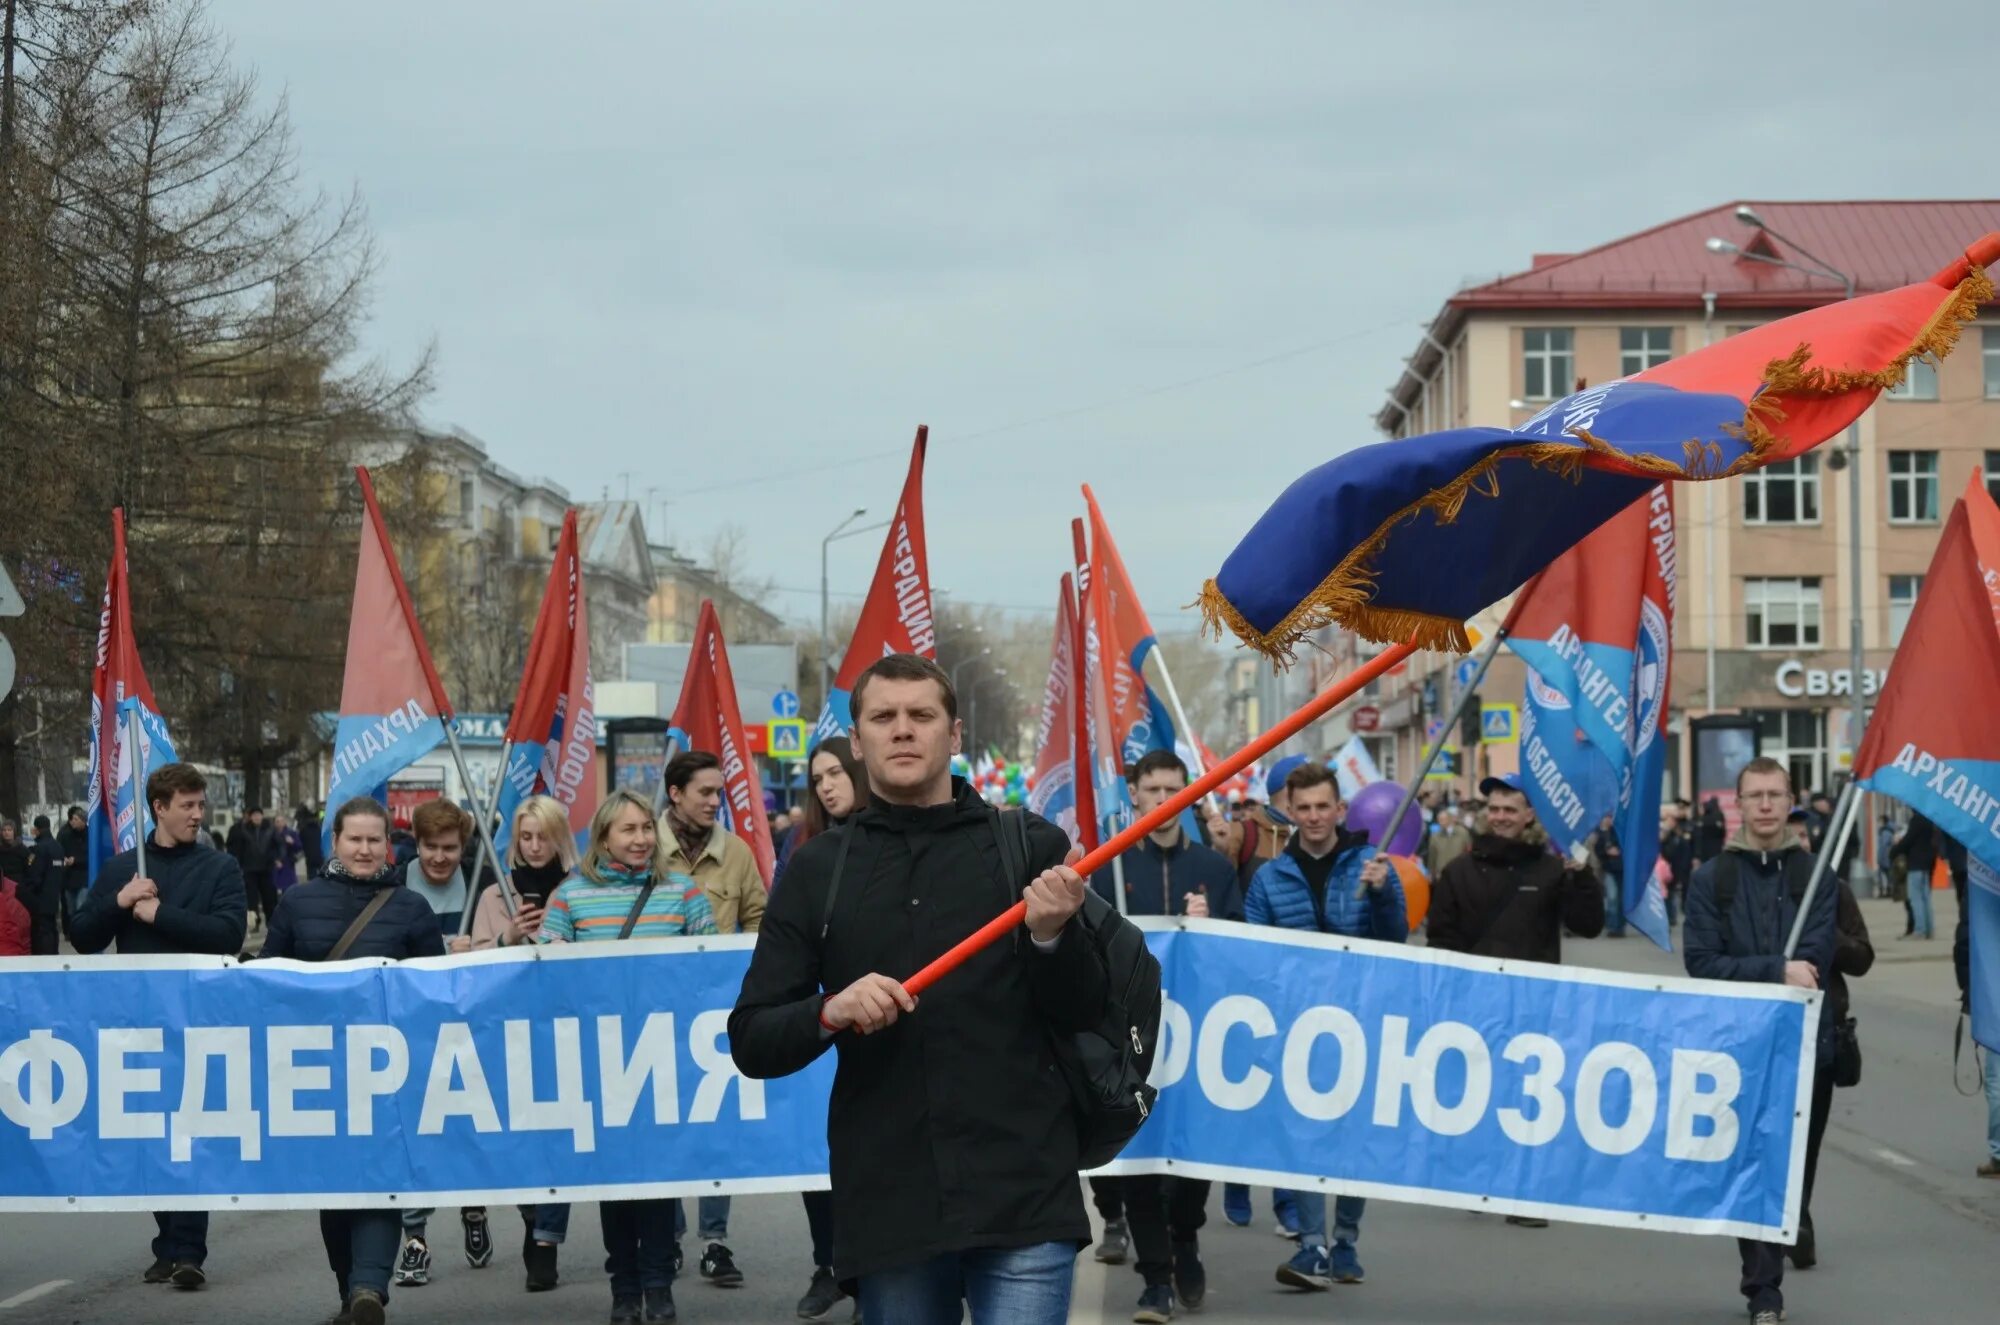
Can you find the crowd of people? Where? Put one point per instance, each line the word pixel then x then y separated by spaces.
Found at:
pixel 953 1112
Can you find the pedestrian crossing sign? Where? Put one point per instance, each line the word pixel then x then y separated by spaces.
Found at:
pixel 786 738
pixel 1499 724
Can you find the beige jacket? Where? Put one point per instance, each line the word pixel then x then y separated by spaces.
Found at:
pixel 728 872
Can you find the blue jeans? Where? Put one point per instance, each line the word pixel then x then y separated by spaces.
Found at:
pixel 638 1245
pixel 1920 905
pixel 360 1248
pixel 1993 1105
pixel 711 1218
pixel 551 1222
pixel 1003 1286
pixel 1347 1212
pixel 183 1236
pixel 1614 904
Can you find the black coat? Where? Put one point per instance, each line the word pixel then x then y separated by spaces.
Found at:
pixel 45 875
pixel 951 1129
pixel 1513 899
pixel 14 865
pixel 75 844
pixel 1853 953
pixel 311 918
pixel 255 846
pixel 201 904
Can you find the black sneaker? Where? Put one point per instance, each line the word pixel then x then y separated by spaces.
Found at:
pixel 541 1262
pixel 680 1259
pixel 660 1303
pixel 1111 1251
pixel 821 1297
pixel 161 1271
pixel 1804 1253
pixel 627 1310
pixel 366 1307
pixel 719 1267
pixel 1156 1305
pixel 478 1242
pixel 1190 1277
pixel 413 1268
pixel 188 1275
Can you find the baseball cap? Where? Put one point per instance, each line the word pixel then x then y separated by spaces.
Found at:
pixel 1274 781
pixel 1500 782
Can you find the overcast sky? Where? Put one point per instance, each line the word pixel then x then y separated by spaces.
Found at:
pixel 738 251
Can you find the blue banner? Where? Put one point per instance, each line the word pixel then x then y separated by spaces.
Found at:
pixel 585 1073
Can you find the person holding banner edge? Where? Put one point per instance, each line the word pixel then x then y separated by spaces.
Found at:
pixel 1332 881
pixel 357 908
pixel 188 899
pixel 952 1138
pixel 1741 909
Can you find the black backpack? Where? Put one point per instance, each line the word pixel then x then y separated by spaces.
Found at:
pixel 1106 1066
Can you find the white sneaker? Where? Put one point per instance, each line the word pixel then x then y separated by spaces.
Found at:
pixel 413 1268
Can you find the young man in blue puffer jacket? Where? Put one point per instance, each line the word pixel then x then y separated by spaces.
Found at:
pixel 1332 881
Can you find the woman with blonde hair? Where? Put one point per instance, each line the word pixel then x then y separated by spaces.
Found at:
pixel 540 855
pixel 624 889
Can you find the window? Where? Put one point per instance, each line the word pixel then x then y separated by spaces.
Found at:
pixel 1781 614
pixel 1989 360
pixel 553 533
pixel 1784 492
pixel 1913 487
pixel 1919 383
pixel 1992 478
pixel 1548 363
pixel 465 502
pixel 1640 348
pixel 1903 591
pixel 1795 738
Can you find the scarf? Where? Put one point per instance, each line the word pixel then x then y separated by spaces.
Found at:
pixel 337 869
pixel 542 880
pixel 693 840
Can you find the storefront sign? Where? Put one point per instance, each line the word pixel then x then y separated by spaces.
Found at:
pixel 1795 680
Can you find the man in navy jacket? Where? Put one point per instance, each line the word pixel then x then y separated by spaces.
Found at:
pixel 1165 875
pixel 1740 911
pixel 1329 880
pixel 190 900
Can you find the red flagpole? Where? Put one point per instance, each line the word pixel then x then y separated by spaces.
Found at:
pixel 1314 709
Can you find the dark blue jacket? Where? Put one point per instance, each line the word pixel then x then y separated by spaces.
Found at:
pixel 1159 881
pixel 1280 896
pixel 1748 945
pixel 201 904
pixel 311 918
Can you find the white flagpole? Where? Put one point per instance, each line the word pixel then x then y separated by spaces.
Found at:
pixel 507 897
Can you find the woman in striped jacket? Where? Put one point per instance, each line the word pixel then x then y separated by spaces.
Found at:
pixel 622 889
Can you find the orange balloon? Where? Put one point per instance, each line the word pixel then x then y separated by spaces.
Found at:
pixel 1416 888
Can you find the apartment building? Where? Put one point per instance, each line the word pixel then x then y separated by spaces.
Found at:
pixel 1762 626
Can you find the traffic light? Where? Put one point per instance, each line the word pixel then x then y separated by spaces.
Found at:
pixel 1468 723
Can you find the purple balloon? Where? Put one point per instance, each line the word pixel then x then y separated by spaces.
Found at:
pixel 1369 813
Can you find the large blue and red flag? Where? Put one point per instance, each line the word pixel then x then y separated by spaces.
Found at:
pixel 119 691
pixel 1934 740
pixel 392 705
pixel 1596 630
pixel 1054 794
pixel 1359 541
pixel 551 737
pixel 708 718
pixel 896 617
pixel 1140 719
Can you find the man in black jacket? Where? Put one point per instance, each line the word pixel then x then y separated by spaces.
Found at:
pixel 254 843
pixel 1740 910
pixel 953 1147
pixel 1509 896
pixel 45 878
pixel 1165 875
pixel 190 900
pixel 74 839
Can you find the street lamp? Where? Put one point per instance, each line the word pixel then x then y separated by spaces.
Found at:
pixel 1825 271
pixel 840 531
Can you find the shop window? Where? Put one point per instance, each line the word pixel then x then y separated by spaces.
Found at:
pixel 1548 363
pixel 1782 613
pixel 1783 492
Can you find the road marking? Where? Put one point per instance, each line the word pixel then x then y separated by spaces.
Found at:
pixel 1900 1161
pixel 39 1290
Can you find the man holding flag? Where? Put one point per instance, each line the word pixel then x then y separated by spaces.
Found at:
pixel 188 899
